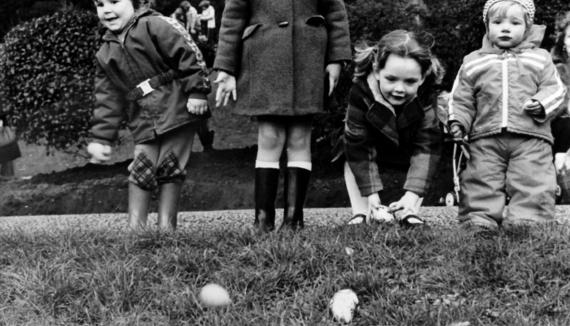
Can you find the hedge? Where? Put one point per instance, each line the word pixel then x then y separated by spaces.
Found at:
pixel 46 73
pixel 47 80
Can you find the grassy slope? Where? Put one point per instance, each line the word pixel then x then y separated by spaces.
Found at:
pixel 402 277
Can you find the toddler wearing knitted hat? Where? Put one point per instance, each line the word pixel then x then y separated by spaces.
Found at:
pixel 508 22
pixel 503 100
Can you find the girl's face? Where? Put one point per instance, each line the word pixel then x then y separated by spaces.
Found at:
pixel 115 14
pixel 567 39
pixel 400 79
pixel 507 30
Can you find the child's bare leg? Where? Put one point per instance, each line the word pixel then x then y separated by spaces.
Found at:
pixel 271 139
pixel 358 203
pixel 297 174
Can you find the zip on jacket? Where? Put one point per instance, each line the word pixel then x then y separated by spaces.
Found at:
pixel 492 86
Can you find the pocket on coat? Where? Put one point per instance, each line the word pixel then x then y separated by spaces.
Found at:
pixel 316 21
pixel 249 30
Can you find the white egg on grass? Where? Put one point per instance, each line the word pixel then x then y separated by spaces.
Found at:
pixel 214 295
pixel 343 305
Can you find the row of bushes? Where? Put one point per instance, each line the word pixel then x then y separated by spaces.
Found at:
pixel 46 72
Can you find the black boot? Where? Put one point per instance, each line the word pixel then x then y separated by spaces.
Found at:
pixel 206 136
pixel 296 184
pixel 139 200
pixel 168 206
pixel 266 181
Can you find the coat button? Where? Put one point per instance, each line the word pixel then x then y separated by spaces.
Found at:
pixel 283 24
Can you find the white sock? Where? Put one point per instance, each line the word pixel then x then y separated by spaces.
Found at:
pixel 300 164
pixel 266 165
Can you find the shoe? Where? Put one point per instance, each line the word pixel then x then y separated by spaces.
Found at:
pixel 411 221
pixel 357 219
pixel 480 231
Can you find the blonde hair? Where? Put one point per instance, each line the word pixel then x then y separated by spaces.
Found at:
pixel 500 9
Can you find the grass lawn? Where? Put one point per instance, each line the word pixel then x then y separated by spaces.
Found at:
pixel 438 276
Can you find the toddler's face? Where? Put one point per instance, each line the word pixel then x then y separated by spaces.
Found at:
pixel 115 14
pixel 567 39
pixel 399 79
pixel 507 31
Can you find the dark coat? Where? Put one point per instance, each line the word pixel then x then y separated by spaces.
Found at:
pixel 153 45
pixel 278 51
pixel 375 136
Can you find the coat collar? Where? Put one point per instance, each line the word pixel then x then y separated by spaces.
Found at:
pixel 532 40
pixel 110 36
pixel 384 118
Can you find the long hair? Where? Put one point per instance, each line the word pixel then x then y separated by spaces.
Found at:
pixel 399 42
pixel 559 51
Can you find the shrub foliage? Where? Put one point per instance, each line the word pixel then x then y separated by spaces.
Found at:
pixel 47 79
pixel 46 73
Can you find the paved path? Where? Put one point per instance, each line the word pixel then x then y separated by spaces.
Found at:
pixel 212 220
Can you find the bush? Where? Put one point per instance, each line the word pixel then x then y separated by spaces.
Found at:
pixel 47 80
pixel 456 25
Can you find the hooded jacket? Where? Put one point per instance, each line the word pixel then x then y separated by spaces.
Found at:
pixel 153 45
pixel 377 132
pixel 493 84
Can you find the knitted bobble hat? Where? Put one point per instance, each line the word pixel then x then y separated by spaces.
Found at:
pixel 528 6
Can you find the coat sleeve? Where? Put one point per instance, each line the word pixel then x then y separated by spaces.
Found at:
pixel 426 154
pixel 359 150
pixel 552 93
pixel 564 73
pixel 338 48
pixel 181 54
pixel 234 21
pixel 109 109
pixel 461 103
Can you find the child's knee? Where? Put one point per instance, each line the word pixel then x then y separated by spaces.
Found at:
pixel 169 170
pixel 271 139
pixel 142 172
pixel 299 142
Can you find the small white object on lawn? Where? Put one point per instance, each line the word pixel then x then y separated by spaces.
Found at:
pixel 349 251
pixel 214 295
pixel 343 305
pixel 381 215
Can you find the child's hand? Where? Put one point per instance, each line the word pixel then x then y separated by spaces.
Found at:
pixel 456 131
pixel 99 152
pixel 333 73
pixel 408 203
pixel 562 162
pixel 197 106
pixel 226 86
pixel 533 108
pixel 373 202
